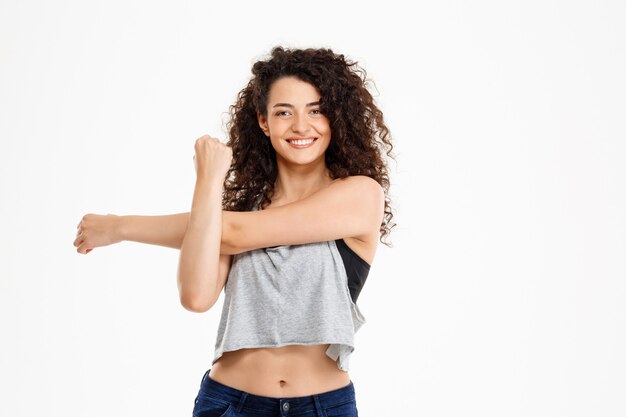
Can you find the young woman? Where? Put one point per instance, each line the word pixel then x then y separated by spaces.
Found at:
pixel 286 218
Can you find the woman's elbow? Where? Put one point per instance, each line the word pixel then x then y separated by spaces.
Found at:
pixel 196 304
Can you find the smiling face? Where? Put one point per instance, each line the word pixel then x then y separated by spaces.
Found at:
pixel 293 112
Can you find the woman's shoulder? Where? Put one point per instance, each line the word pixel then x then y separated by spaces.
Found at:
pixel 359 180
pixel 361 186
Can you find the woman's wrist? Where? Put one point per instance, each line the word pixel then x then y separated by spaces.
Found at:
pixel 120 227
pixel 214 182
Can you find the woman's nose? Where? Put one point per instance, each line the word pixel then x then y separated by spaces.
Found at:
pixel 300 124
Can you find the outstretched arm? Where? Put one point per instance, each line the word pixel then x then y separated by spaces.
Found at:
pixel 167 230
pixel 351 207
pixel 97 230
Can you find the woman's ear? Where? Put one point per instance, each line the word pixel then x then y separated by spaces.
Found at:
pixel 263 124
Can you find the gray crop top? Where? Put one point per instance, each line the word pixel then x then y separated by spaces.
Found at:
pixel 293 295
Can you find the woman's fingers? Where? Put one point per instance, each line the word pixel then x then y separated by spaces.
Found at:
pixel 79 239
pixel 81 247
pixel 95 230
pixel 79 243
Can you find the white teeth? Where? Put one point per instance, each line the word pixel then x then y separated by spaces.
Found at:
pixel 301 142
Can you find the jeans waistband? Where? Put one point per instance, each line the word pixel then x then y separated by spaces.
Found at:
pixel 294 404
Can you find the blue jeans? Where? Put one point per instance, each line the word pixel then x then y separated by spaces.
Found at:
pixel 218 400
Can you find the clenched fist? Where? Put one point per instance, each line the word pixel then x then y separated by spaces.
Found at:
pixel 212 159
pixel 96 230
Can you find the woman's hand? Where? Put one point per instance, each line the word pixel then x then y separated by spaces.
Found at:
pixel 212 159
pixel 95 230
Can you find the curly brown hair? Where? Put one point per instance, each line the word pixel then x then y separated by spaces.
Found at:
pixel 359 135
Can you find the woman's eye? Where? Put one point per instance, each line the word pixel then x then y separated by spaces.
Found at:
pixel 280 113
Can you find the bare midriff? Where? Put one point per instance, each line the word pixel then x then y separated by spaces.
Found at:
pixel 286 371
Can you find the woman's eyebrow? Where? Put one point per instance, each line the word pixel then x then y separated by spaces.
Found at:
pixel 291 105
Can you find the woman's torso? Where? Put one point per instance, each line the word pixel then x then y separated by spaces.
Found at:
pixel 288 371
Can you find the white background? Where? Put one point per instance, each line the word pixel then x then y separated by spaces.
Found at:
pixel 504 293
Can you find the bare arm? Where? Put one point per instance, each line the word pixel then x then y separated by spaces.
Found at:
pixel 351 207
pixel 167 230
pixel 198 266
pixel 356 206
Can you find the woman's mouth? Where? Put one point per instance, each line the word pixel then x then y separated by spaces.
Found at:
pixel 301 143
